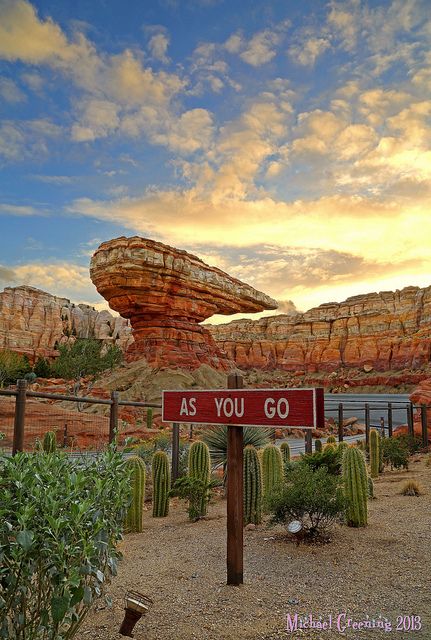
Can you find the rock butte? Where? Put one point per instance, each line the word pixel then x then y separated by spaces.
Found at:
pixel 382 331
pixel 166 293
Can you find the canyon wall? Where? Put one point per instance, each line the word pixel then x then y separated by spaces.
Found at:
pixel 32 322
pixel 385 331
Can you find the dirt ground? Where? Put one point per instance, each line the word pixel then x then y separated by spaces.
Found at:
pixel 381 572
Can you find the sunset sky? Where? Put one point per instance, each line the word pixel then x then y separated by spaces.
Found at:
pixel 288 143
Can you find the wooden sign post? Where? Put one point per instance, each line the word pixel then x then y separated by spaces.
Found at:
pixel 237 408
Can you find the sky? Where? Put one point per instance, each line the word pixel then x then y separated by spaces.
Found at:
pixel 287 143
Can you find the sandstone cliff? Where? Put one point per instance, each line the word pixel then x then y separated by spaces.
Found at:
pixel 33 321
pixel 385 331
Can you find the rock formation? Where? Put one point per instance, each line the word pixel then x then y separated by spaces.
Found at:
pixel 382 331
pixel 166 293
pixel 33 321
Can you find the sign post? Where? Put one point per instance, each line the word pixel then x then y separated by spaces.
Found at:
pixel 237 407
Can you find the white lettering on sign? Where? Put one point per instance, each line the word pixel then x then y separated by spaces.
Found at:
pixel 281 409
pixel 190 409
pixel 229 407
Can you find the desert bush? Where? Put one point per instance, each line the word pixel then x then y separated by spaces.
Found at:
pixel 413 444
pixel 395 453
pixel 411 488
pixel 59 526
pixel 314 497
pixel 330 457
pixel 196 492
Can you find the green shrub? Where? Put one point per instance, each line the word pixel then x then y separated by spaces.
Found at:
pixel 60 523
pixel 42 368
pixel 330 458
pixel 195 491
pixel 413 444
pixel 315 498
pixel 395 453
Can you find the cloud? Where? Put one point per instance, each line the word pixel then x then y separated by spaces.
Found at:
pixel 7 275
pixel 10 92
pixel 261 48
pixel 158 46
pixel 19 210
pixel 308 50
pixel 26 139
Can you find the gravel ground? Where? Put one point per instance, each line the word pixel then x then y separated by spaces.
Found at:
pixel 380 571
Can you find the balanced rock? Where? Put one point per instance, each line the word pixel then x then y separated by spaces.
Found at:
pixel 166 293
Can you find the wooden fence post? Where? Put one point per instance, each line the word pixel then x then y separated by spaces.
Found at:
pixel 367 423
pixel 308 441
pixel 390 420
pixel 19 421
pixel 175 451
pixel 410 423
pixel 424 423
pixel 113 416
pixel 235 517
pixel 340 423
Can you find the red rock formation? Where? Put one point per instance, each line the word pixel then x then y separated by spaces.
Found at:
pixel 385 331
pixel 32 321
pixel 166 293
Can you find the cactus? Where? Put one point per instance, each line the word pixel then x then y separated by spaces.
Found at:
pixel 49 443
pixel 149 418
pixel 272 467
pixel 342 447
pixel 200 468
pixel 374 453
pixel 318 445
pixel 355 487
pixel 370 488
pixel 285 452
pixel 252 487
pixel 133 520
pixel 330 439
pixel 160 469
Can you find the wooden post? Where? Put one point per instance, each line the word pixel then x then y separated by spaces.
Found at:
pixel 340 422
pixel 409 409
pixel 19 422
pixel 175 451
pixel 424 423
pixel 390 420
pixel 367 423
pixel 308 441
pixel 235 495
pixel 113 416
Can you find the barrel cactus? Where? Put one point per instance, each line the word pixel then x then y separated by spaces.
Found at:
pixel 161 484
pixel 285 452
pixel 133 520
pixel 272 467
pixel 355 487
pixel 342 447
pixel 252 487
pixel 330 439
pixel 374 453
pixel 200 468
pixel 49 443
pixel 318 445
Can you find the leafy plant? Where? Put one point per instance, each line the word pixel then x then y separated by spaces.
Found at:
pixel 395 453
pixel 314 497
pixel 85 357
pixel 12 367
pixel 60 523
pixel 195 491
pixel 42 368
pixel 413 444
pixel 330 457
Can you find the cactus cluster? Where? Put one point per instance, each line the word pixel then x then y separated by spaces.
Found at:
pixel 252 487
pixel 133 520
pixel 161 481
pixel 355 487
pixel 49 442
pixel 374 453
pixel 272 467
pixel 200 468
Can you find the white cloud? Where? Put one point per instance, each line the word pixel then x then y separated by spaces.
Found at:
pixel 19 210
pixel 10 92
pixel 261 48
pixel 158 46
pixel 307 51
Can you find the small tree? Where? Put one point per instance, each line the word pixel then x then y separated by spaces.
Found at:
pixel 12 367
pixel 42 368
pixel 85 358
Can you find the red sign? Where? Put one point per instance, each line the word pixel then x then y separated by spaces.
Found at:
pixel 302 408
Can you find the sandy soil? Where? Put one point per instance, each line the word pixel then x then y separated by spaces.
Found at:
pixel 382 571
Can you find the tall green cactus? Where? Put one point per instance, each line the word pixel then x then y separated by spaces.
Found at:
pixel 149 418
pixel 133 520
pixel 272 467
pixel 161 482
pixel 330 439
pixel 318 445
pixel 285 452
pixel 252 487
pixel 342 447
pixel 200 468
pixel 355 487
pixel 374 453
pixel 49 442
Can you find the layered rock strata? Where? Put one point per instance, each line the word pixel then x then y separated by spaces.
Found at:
pixel 166 293
pixel 382 331
pixel 33 323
